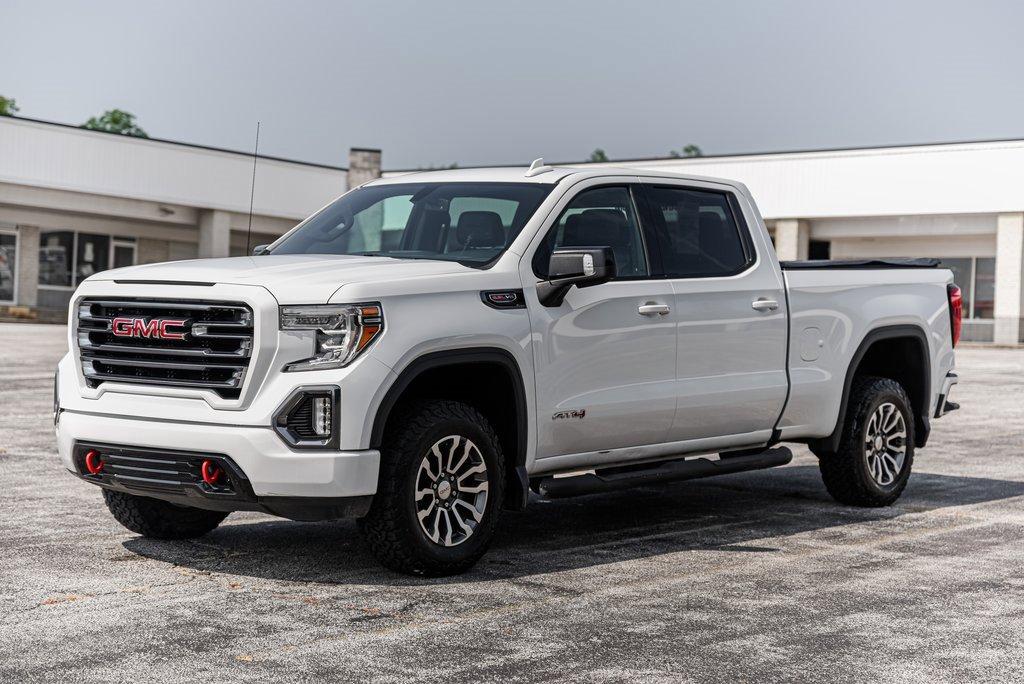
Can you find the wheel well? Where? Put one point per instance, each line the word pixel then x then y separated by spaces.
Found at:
pixel 901 359
pixel 901 354
pixel 490 381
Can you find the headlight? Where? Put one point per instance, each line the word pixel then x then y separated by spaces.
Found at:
pixel 342 332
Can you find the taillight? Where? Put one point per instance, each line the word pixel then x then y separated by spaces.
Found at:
pixel 956 311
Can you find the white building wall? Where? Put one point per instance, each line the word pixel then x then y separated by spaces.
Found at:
pixel 965 178
pixel 45 155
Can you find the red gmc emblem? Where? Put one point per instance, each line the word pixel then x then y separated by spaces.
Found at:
pixel 148 327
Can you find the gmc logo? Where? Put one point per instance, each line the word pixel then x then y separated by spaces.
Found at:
pixel 152 327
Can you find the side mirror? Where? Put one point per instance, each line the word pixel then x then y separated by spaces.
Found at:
pixel 259 249
pixel 579 266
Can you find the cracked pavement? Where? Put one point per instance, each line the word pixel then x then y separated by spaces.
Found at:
pixel 748 577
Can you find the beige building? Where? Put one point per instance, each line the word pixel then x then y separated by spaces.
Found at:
pixel 73 202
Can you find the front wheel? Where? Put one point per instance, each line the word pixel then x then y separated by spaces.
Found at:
pixel 440 492
pixel 876 452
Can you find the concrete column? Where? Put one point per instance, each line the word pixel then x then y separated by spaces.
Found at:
pixel 214 233
pixel 28 266
pixel 363 166
pixel 1009 305
pixel 792 239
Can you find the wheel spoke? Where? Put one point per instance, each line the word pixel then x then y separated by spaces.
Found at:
pixel 421 494
pixel 885 469
pixel 477 515
pixel 891 419
pixel 451 452
pixel 465 457
pixel 426 462
pixel 426 511
pixel 872 427
pixel 448 527
pixel 462 523
pixel 474 488
pixel 475 470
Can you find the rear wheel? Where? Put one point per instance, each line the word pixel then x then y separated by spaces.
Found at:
pixel 876 452
pixel 440 491
pixel 160 519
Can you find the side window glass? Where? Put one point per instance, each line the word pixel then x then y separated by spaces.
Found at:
pixel 599 217
pixel 699 231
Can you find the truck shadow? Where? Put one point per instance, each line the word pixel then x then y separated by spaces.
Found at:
pixel 735 513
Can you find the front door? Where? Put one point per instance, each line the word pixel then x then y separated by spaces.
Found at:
pixel 605 357
pixel 730 308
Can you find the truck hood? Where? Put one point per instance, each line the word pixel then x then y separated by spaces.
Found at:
pixel 292 279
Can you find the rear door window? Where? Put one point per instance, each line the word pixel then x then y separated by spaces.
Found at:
pixel 699 233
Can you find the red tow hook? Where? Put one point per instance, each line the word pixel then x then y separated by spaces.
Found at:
pixel 213 474
pixel 93 462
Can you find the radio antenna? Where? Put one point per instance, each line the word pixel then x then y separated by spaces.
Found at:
pixel 252 187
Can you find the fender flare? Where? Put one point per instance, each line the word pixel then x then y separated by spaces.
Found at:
pixel 452 357
pixel 922 426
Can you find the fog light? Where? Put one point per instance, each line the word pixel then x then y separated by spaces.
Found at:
pixel 322 416
pixel 308 420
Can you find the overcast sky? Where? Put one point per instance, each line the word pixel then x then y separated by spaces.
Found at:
pixel 478 82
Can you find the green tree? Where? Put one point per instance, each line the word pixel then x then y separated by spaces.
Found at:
pixel 115 121
pixel 688 151
pixel 598 155
pixel 8 107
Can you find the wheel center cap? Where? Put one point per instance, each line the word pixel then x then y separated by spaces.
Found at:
pixel 444 490
pixel 878 443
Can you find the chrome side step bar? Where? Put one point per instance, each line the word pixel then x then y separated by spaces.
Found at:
pixel 613 479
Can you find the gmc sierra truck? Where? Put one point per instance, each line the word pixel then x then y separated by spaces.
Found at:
pixel 427 349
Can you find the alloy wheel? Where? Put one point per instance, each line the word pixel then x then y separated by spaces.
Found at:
pixel 885 443
pixel 451 490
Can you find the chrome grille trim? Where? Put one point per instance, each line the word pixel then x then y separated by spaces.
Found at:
pixel 215 353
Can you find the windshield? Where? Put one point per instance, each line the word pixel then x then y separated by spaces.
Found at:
pixel 471 223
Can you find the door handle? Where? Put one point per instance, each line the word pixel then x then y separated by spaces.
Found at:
pixel 764 305
pixel 652 309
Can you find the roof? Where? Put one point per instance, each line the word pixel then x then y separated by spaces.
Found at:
pixel 982 177
pixel 45 155
pixel 492 174
pixel 179 143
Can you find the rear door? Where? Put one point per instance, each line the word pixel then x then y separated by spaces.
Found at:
pixel 730 311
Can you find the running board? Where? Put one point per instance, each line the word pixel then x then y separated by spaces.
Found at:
pixel 670 471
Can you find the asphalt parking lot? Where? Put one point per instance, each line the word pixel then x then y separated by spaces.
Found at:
pixel 749 577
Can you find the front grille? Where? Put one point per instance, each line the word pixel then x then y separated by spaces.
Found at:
pixel 214 353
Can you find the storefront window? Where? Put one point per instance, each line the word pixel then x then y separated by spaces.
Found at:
pixel 67 258
pixel 984 288
pixel 56 252
pixel 8 254
pixel 93 255
pixel 976 277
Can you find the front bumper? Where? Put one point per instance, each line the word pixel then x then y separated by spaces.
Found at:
pixel 270 468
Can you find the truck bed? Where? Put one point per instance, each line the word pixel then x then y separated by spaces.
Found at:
pixel 888 262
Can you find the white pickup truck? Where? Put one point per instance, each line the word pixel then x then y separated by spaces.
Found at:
pixel 424 351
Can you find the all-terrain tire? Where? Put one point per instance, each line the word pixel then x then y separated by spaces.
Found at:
pixel 847 473
pixel 160 519
pixel 392 528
